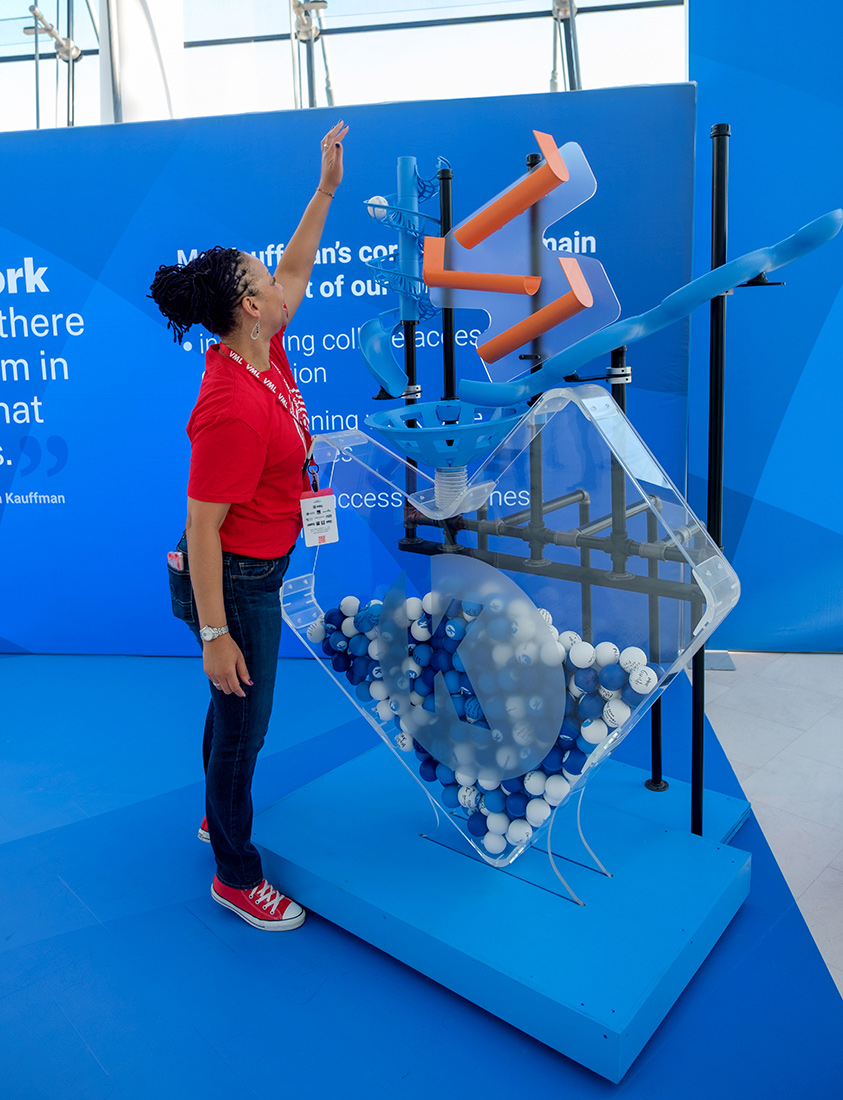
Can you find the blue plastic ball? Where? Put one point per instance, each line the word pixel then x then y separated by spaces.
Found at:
pixel 452 681
pixel 587 679
pixel 327 648
pixel 591 706
pixel 358 646
pixel 422 654
pixel 340 662
pixel 339 642
pixel 459 708
pixel 574 761
pixel 473 710
pixel 367 617
pixel 455 629
pixel 334 618
pixel 451 797
pixel 494 801
pixel 362 692
pixel 516 804
pixel 441 660
pixel 427 769
pixel 445 774
pixel 613 677
pixel 553 761
pixel 429 703
pixel 477 825
pixel 456 661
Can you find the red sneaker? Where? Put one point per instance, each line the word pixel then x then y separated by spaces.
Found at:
pixel 262 906
pixel 203 833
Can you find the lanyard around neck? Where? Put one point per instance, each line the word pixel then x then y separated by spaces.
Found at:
pixel 286 400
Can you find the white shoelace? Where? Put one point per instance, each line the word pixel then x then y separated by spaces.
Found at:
pixel 267 896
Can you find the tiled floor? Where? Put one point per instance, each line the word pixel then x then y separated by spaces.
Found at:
pixel 779 717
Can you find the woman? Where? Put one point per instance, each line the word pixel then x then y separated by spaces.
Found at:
pixel 249 443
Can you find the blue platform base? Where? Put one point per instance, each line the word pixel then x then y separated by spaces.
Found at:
pixel 360 846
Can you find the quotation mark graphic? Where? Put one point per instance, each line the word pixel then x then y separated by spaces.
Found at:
pixel 30 448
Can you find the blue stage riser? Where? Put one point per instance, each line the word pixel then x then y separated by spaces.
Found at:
pixel 592 982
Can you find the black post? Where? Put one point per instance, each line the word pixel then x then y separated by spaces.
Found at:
pixel 446 216
pixel 716 402
pixel 536 525
pixel 717 352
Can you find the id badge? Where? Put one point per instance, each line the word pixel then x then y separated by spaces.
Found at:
pixel 319 517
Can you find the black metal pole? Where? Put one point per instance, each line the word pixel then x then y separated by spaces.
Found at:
pixel 656 782
pixel 446 221
pixel 717 353
pixel 716 402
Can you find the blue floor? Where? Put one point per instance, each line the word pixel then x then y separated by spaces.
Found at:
pixel 119 977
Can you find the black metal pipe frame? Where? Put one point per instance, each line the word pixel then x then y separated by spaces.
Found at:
pixel 536 524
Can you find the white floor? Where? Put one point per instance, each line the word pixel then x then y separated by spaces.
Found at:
pixel 779 718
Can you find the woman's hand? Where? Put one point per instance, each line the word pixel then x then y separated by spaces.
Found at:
pixel 331 176
pixel 225 665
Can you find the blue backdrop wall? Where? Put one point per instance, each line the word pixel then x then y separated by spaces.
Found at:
pixel 775 79
pixel 94 395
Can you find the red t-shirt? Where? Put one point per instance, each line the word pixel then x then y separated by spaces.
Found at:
pixel 248 446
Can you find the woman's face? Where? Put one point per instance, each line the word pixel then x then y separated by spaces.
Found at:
pixel 268 296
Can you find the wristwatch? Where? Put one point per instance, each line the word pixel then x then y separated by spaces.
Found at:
pixel 208 633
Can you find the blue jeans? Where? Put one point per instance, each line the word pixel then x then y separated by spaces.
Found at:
pixel 235 727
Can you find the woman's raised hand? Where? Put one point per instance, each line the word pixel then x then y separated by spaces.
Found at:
pixel 331 176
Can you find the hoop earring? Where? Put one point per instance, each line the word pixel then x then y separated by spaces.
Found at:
pixel 255 330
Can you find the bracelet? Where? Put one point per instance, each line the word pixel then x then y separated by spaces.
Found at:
pixel 330 194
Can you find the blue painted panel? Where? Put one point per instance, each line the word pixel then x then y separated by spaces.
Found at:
pixel 108 441
pixel 780 92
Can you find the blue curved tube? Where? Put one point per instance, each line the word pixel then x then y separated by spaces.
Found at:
pixel 677 305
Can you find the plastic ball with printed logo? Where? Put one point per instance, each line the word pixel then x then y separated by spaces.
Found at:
pixel 606 653
pixel 366 619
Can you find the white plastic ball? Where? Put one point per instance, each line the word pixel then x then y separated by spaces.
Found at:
pixel 581 654
pixel 606 653
pixel 527 653
pixel 514 706
pixel 496 735
pixel 427 603
pixel 495 845
pixel 469 797
pixel 377 207
pixel 495 604
pixel 419 632
pixel 523 734
pixel 550 655
pixel 463 754
pixel 414 608
pixel 643 680
pixel 506 758
pixel 316 632
pixel 411 666
pixel 631 658
pixel 497 823
pixel 501 654
pixel 383 710
pixel 554 633
pixel 563 652
pixel 465 778
pixel 607 695
pixel 594 730
pixel 348 628
pixel 534 783
pixel 488 779
pixel 569 638
pixel 378 690
pixel 403 741
pixel 350 606
pixel 615 713
pixel 374 649
pixel 556 789
pixel 546 615
pixel 519 831
pixel 538 811
pixel 416 700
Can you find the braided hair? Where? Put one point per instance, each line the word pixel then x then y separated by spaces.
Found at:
pixel 205 291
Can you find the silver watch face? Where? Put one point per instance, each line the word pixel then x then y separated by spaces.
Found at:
pixel 208 633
